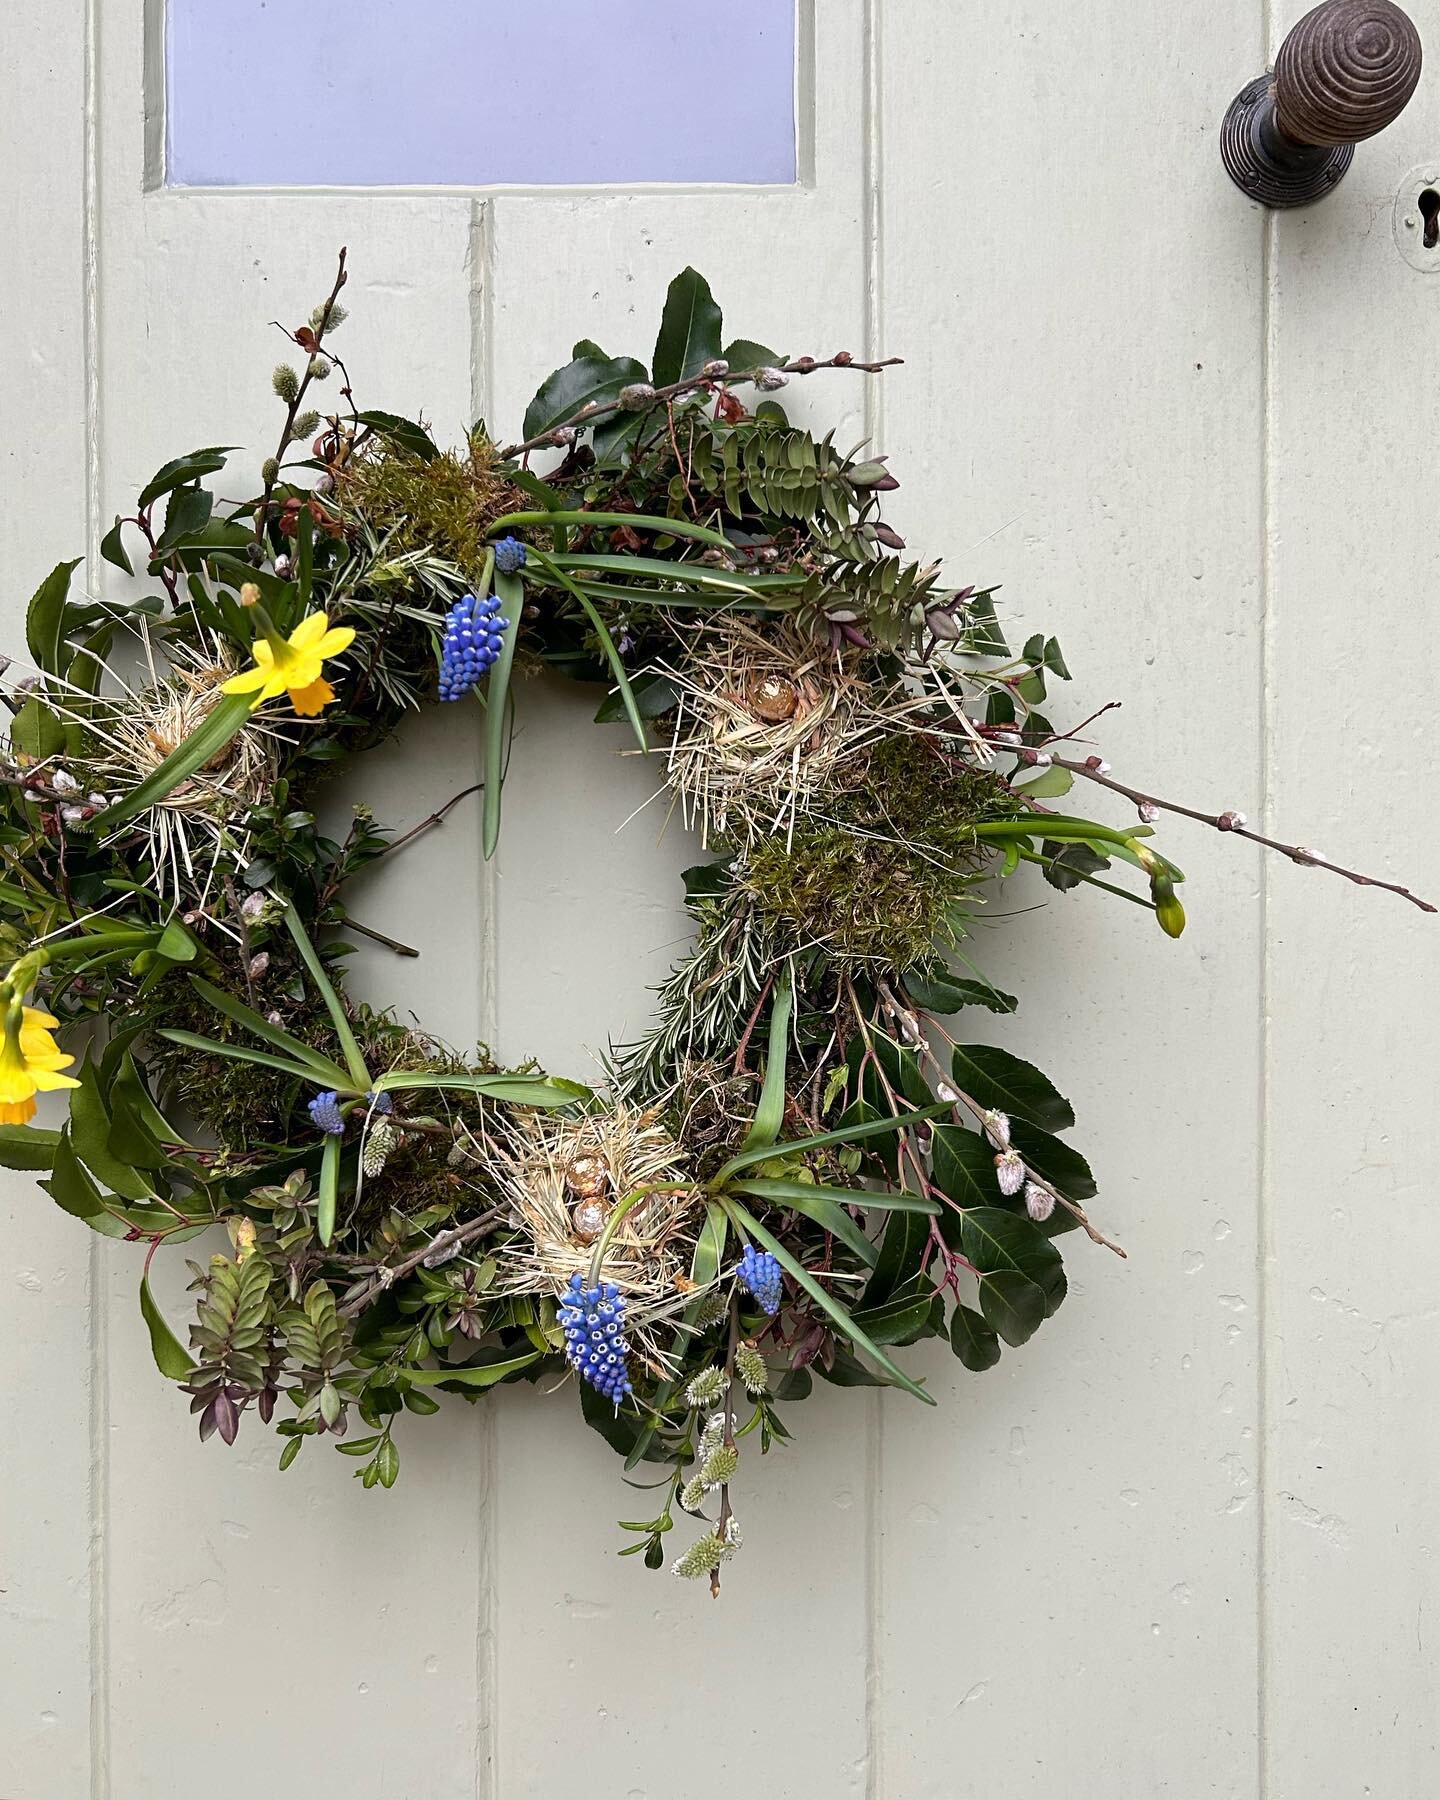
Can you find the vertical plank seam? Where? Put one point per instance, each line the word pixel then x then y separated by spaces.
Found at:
pixel 873 226
pixel 1266 723
pixel 480 272
pixel 99 1417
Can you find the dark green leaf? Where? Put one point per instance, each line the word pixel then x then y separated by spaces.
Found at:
pixel 193 467
pixel 903 1319
pixel 112 548
pixel 45 617
pixel 1065 1169
pixel 474 1375
pixel 403 432
pixel 172 1359
pixel 689 330
pixel 817 1203
pixel 962 1166
pixel 27 1147
pixel 902 1247
pixel 972 1339
pixel 935 989
pixel 511 591
pixel 588 380
pixel 188 513
pixel 1012 1304
pixel 1000 1242
pixel 995 1079
pixel 744 354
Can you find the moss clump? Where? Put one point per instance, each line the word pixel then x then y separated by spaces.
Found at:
pixel 905 788
pixel 442 507
pixel 867 898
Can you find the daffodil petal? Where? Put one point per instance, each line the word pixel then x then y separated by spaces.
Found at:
pixel 308 633
pixel 333 642
pixel 313 698
pixel 245 682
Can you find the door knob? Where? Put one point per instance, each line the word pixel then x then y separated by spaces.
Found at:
pixel 1343 73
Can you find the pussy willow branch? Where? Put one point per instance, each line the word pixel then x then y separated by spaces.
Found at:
pixel 1227 821
pixel 292 411
pixel 674 390
pixel 725 1510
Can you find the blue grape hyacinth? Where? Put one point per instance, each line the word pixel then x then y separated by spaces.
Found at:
pixel 760 1275
pixel 510 556
pixel 593 1320
pixel 325 1111
pixel 474 632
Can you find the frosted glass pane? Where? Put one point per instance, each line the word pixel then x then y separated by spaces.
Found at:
pixel 469 92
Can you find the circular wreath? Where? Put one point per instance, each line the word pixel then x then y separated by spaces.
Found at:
pixel 798 1170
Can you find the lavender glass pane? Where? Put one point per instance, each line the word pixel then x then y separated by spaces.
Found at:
pixel 470 92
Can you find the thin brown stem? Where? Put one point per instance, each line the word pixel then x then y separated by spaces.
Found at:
pixel 455 1239
pixel 1228 822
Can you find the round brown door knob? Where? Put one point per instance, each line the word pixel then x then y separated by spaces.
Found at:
pixel 1343 73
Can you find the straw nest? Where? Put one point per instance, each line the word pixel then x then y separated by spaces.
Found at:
pixel 563 1179
pixel 767 724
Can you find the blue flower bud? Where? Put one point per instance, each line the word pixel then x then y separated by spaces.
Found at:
pixel 759 1274
pixel 592 1319
pixel 325 1111
pixel 472 642
pixel 509 556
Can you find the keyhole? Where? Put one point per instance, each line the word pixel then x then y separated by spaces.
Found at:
pixel 1429 204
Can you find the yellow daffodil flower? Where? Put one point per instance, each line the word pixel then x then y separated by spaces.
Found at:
pixel 293 666
pixel 30 1061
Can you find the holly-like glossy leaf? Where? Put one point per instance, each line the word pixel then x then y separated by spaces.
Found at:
pixel 404 433
pixel 45 617
pixel 188 513
pixel 172 1359
pixel 972 1340
pixel 1064 1168
pixel 27 1147
pixel 935 989
pixel 902 1319
pixel 183 469
pixel 996 1079
pixel 962 1166
pixel 112 548
pixel 689 330
pixel 591 379
pixel 1000 1242
pixel 1013 1305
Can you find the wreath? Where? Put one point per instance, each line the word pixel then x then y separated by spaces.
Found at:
pixel 804 1166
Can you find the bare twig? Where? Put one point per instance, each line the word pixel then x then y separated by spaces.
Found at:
pixel 1233 822
pixel 589 415
pixel 454 1239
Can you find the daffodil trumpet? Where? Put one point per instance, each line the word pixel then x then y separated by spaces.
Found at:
pixel 293 665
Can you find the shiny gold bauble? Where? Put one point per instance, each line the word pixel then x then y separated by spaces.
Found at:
pixel 586 1175
pixel 772 698
pixel 588 1220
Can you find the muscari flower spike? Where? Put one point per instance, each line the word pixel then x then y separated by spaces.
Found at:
pixel 474 633
pixel 759 1275
pixel 593 1320
pixel 510 556
pixel 325 1111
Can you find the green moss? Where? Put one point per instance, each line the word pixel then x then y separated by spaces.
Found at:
pixel 906 789
pixel 442 507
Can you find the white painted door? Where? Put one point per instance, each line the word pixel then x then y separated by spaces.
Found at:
pixel 1183 1543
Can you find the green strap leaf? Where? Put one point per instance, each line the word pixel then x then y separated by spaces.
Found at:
pixel 607 645
pixel 172 1359
pixel 339 1018
pixel 192 1040
pixel 770 1113
pixel 844 1135
pixel 842 1319
pixel 816 1203
pixel 327 1072
pixel 510 589
pixel 473 1375
pixel 683 528
pixel 516 1090
pixel 328 1195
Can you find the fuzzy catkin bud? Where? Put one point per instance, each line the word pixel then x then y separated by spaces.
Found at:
pixel 636 397
pixel 703 1556
pixel 750 1367
pixel 712 1308
pixel 720 1465
pixel 769 380
pixel 305 424
pixel 707 1389
pixel 1010 1172
pixel 329 316
pixel 286 383
pixel 692 1495
pixel 270 471
pixel 378 1145
pixel 997 1129
pixel 319 368
pixel 1039 1202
